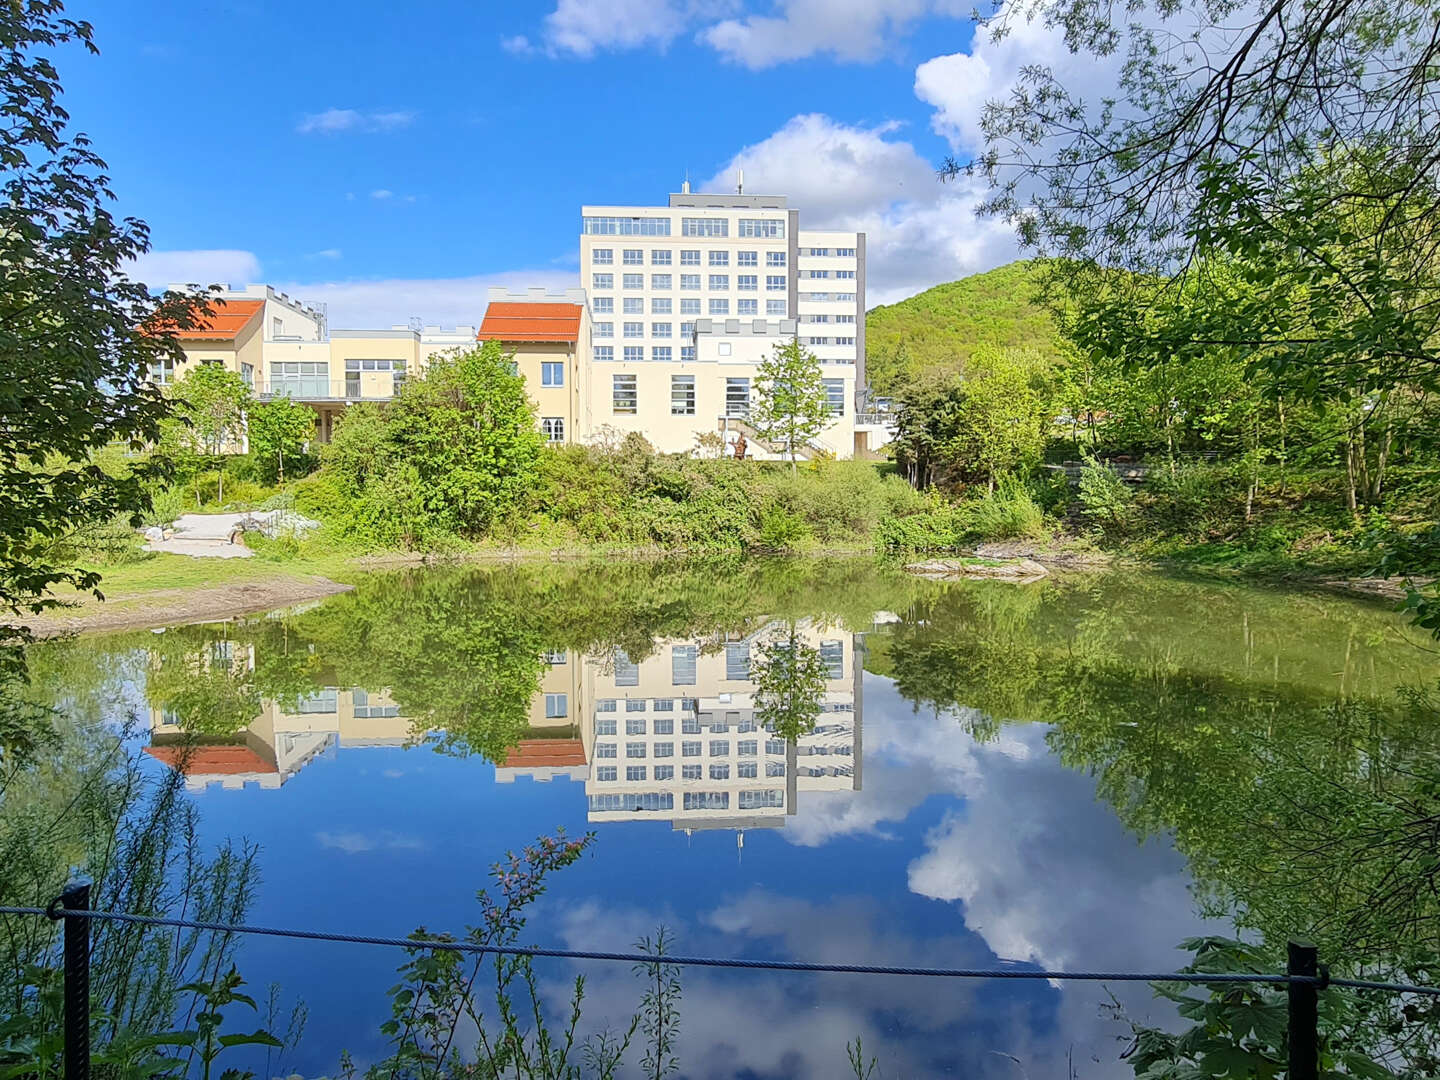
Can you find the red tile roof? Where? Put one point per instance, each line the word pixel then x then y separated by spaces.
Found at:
pixel 540 753
pixel 225 322
pixel 211 760
pixel 524 321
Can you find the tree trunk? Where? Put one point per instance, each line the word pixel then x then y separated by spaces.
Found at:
pixel 1350 472
pixel 1362 464
pixel 1280 408
pixel 1378 480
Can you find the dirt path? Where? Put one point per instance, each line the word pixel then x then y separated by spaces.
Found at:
pixel 169 607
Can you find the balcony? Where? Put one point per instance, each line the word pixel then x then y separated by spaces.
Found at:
pixel 320 388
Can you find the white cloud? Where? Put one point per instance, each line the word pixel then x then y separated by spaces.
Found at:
pixel 358 843
pixel 919 231
pixel 584 27
pixel 848 30
pixel 519 45
pixel 334 121
pixel 326 253
pixel 201 267
pixel 377 304
pixel 381 193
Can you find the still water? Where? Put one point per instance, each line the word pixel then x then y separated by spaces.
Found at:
pixel 1043 774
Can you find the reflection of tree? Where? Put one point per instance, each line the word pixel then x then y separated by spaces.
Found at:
pixel 789 677
pixel 205 682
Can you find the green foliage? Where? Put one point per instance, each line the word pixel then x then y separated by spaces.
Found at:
pixel 791 405
pixel 80 337
pixel 940 526
pixel 789 677
pixel 1009 513
pixel 1105 499
pixel 936 332
pixel 280 434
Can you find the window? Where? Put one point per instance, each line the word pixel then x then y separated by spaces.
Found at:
pixel 360 698
pixel 604 353
pixel 691 772
pixel 625 400
pixel 687 329
pixel 832 655
pixel 635 772
pixel 606 750
pixel 690 724
pixel 774 307
pixel 634 329
pixel 835 396
pixel 844 273
pixel 699 226
pixel 720 307
pixel 774 258
pixel 605 726
pixel 660 329
pixel 663 704
pixel 737 397
pixel 747 258
pixel 774 768
pixel 296 378
pixel 552 373
pixel 633 305
pixel 769 228
pixel 661 281
pixel 737 662
pixel 634 749
pixel 660 353
pixel 690 306
pixel 716 725
pixel 625 226
pixel 603 305
pixel 747 747
pixel 747 307
pixel 719 258
pixel 774 746
pixel 754 800
pixel 602 256
pixel 844 341
pixel 664 725
pixel 634 725
pixel 815 318
pixel 848 253
pixel 661 305
pixel 817 251
pixel 632 281
pixel 774 282
pixel 747 282
pixel 605 705
pixel 687 352
pixel 659 256
pixel 682 665
pixel 814 273
pixel 634 354
pixel 844 318
pixel 602 281
pixel 720 281
pixel 553 428
pixel 817 341
pixel 557 706
pixel 719 748
pixel 605 772
pixel 633 257
pixel 604 329
pixel 689 258
pixel 689 281
pixel 647 800
pixel 719 772
pixel 247 375
pixel 690 748
pixel 664 749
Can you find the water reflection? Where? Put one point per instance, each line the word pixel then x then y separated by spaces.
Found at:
pixel 672 735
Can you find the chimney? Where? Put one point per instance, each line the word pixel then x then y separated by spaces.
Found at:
pixel 685 187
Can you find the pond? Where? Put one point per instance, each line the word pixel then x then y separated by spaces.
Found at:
pixel 1077 774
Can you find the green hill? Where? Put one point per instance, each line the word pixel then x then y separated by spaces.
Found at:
pixel 940 327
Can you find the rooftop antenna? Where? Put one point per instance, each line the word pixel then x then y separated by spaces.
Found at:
pixel 685 187
pixel 740 183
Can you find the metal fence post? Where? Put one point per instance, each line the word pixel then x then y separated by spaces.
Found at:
pixel 1304 1013
pixel 76 897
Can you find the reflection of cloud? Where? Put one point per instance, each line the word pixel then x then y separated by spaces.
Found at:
pixel 357 843
pixel 393 774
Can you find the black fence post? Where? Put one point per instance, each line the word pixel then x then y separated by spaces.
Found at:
pixel 76 897
pixel 1304 1012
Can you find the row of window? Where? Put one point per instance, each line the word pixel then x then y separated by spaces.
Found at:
pixel 690 748
pixel 688 257
pixel 690 282
pixel 829 341
pixel 743 771
pixel 845 253
pixel 664 305
pixel 635 354
pixel 625 226
pixel 848 297
pixel 827 318
pixel 827 273
pixel 626 395
pixel 661 704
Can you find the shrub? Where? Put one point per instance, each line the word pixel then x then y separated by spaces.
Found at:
pixel 1007 514
pixel 1106 500
pixel 320 496
pixel 941 526
pixel 780 530
pixel 166 504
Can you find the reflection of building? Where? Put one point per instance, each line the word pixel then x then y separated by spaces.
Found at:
pixel 675 735
pixel 278 743
pixel 552 746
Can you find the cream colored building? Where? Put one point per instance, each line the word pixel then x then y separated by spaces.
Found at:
pixel 545 333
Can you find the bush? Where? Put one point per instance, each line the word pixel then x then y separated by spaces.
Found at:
pixel 941 526
pixel 1007 514
pixel 1106 500
pixel 166 504
pixel 780 529
pixel 320 496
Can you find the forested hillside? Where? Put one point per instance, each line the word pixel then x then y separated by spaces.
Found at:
pixel 941 327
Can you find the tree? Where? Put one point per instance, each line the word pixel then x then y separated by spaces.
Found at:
pixel 211 401
pixel 789 677
pixel 280 429
pixel 468 430
pixel 1003 419
pixel 78 338
pixel 792 406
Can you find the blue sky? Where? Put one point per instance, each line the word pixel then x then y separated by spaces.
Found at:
pixel 394 160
